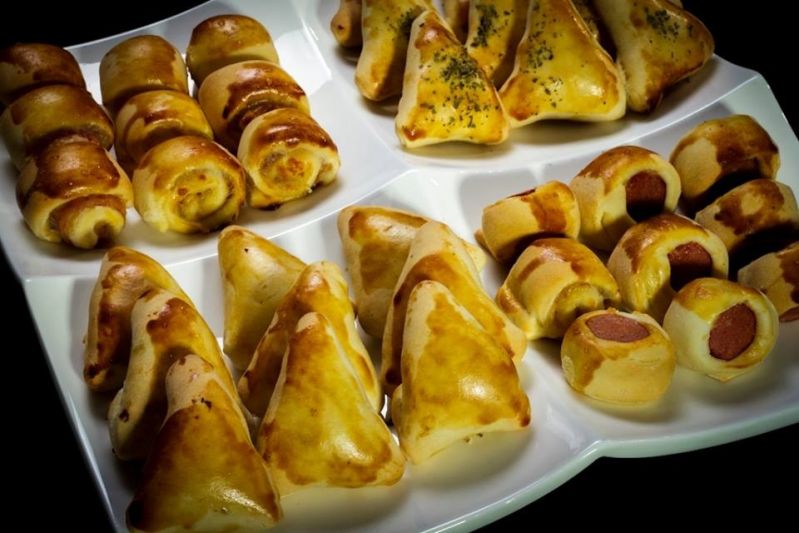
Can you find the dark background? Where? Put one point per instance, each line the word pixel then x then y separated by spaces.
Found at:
pixel 48 481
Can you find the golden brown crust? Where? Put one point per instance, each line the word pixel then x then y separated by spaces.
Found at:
pixel 456 13
pixel 495 29
pixel 777 276
pixel 24 67
pixel 346 23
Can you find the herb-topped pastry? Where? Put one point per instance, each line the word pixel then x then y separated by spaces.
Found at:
pixel 495 29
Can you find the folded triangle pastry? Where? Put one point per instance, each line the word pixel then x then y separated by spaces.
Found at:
pixel 256 275
pixel 457 382
pixel 321 428
pixel 456 13
pixel 203 473
pixel 495 29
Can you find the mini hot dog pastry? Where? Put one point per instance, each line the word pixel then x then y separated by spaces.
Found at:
pixel 777 275
pixel 26 66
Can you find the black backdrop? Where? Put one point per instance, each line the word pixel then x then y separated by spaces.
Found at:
pixel 48 481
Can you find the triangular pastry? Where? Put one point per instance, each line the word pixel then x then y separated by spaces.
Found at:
pixel 320 428
pixel 445 95
pixel 203 473
pixel 256 275
pixel 456 13
pixel 495 29
pixel 457 382
pixel 561 71
pixel 319 288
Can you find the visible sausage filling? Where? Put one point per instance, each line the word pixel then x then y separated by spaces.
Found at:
pixel 646 195
pixel 732 332
pixel 689 261
pixel 617 328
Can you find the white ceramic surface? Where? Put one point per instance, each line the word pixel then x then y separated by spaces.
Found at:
pixel 468 485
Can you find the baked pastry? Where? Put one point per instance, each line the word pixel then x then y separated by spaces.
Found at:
pixel 376 241
pixel 561 71
pixel 139 64
pixel 74 192
pixel 620 187
pixel 321 428
pixel 657 257
pixel 287 155
pixel 26 66
pixel 718 155
pixel 495 29
pixel 437 254
pixel 234 95
pixel 163 328
pixel 125 275
pixel 445 94
pixel 225 39
pixel 346 23
pixel 777 275
pixel 256 275
pixel 553 282
pixel 510 224
pixel 721 328
pixel 320 288
pixel 151 118
pixel 753 219
pixel 590 17
pixel 34 120
pixel 385 26
pixel 203 473
pixel 457 381
pixel 618 357
pixel 189 184
pixel 658 44
pixel 456 13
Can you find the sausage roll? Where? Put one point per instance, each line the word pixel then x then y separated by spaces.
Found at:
pixel 624 358
pixel 24 67
pixel 777 275
pixel 753 219
pixel 346 23
pixel 287 155
pixel 42 115
pixel 376 241
pixel 656 258
pixel 234 95
pixel 495 29
pixel 445 96
pixel 658 44
pixel 203 473
pixel 125 275
pixel 456 13
pixel 553 282
pixel 718 155
pixel 721 328
pixel 256 275
pixel 512 223
pixel 457 380
pixel 622 186
pixel 561 71
pixel 190 185
pixel 74 192
pixel 151 118
pixel 321 428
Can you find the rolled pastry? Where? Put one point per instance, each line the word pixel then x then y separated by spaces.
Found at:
pixel 321 428
pixel 34 120
pixel 287 155
pixel 721 328
pixel 656 258
pixel 125 275
pixel 777 275
pixel 753 219
pixel 718 155
pixel 376 241
pixel 624 358
pixel 226 39
pixel 495 29
pixel 139 64
pixel 256 275
pixel 163 328
pixel 190 185
pixel 620 187
pixel 203 473
pixel 512 223
pixel 74 192
pixel 234 95
pixel 456 13
pixel 346 23
pixel 24 67
pixel 457 381
pixel 151 118
pixel 561 71
pixel 553 282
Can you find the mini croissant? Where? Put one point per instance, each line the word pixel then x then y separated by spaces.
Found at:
pixel 203 473
pixel 495 29
pixel 321 428
pixel 26 66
